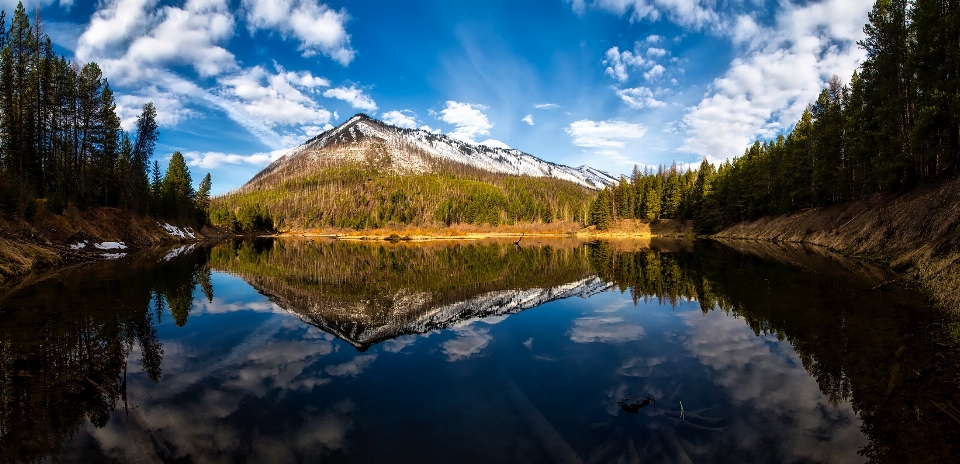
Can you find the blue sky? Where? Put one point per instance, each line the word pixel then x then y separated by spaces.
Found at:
pixel 608 83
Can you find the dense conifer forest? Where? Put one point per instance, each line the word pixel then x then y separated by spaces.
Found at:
pixel 61 142
pixel 893 127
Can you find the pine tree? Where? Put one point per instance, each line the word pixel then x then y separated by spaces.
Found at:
pixel 142 151
pixel 600 210
pixel 177 188
pixel 202 198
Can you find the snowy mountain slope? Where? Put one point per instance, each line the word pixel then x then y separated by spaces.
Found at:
pixel 416 151
pixel 414 314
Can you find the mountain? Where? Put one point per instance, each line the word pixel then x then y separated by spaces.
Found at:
pixel 363 139
pixel 367 293
pixel 417 316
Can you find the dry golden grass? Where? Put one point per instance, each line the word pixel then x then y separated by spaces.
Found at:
pixel 632 229
pixel 18 258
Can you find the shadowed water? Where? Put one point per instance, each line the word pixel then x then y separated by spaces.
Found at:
pixel 304 351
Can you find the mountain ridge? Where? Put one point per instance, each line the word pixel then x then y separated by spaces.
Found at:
pixel 362 138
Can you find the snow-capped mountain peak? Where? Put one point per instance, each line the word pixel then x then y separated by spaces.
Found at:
pixel 362 138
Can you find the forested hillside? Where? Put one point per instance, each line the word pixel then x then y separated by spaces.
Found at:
pixel 61 142
pixel 893 127
pixel 368 196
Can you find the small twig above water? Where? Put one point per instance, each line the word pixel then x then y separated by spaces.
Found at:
pixel 880 287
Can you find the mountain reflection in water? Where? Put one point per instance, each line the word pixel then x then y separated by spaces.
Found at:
pixel 776 355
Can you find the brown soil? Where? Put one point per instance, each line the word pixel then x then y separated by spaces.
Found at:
pixel 43 243
pixel 917 232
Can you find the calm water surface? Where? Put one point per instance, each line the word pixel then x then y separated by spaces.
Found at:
pixel 306 351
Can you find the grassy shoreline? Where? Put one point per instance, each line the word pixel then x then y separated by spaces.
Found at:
pixel 620 229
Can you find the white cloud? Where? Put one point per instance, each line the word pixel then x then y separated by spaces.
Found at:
pixel 528 119
pixel 402 118
pixel 129 38
pixel 187 36
pixel 783 67
pixel 275 98
pixel 319 28
pixel 138 42
pixel 688 13
pixel 114 23
pixel 397 345
pixel 211 159
pixel 765 381
pixel 613 133
pixel 654 73
pixel 546 106
pixel 469 342
pixel 604 330
pixel 639 367
pixel 494 143
pixel 615 157
pixel 653 39
pixel 639 98
pixel 351 368
pixel 354 96
pixel 656 52
pixel 170 110
pixel 619 62
pixel 10 5
pixel 579 6
pixel 468 118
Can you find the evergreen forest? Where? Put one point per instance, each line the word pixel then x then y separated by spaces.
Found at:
pixel 369 196
pixel 61 141
pixel 894 126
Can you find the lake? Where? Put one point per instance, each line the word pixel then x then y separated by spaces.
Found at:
pixel 550 350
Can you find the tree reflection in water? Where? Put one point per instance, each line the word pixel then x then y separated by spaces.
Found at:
pixel 65 342
pixel 63 357
pixel 884 352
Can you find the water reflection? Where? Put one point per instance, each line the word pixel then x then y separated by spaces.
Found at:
pixel 429 353
pixel 366 294
pixel 65 344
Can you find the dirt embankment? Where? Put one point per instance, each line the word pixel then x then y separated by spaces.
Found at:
pixel 917 232
pixel 48 241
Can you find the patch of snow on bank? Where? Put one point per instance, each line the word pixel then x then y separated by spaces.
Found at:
pixel 114 255
pixel 78 246
pixel 110 246
pixel 178 232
